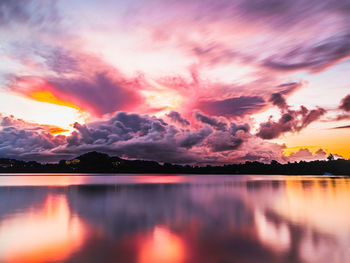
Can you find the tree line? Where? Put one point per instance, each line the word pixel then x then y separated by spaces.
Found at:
pixel 95 162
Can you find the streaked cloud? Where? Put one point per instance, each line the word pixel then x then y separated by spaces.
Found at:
pixel 175 81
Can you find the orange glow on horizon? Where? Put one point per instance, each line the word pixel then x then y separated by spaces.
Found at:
pixel 289 150
pixel 330 140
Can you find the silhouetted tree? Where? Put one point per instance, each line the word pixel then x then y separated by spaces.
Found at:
pixel 95 162
pixel 330 157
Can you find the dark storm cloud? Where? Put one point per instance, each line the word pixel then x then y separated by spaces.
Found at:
pixel 136 136
pixel 221 141
pixel 234 128
pixel 229 140
pixel 212 121
pixel 278 100
pixel 176 117
pixel 23 143
pixel 136 129
pixel 162 151
pixel 132 136
pixel 238 106
pixel 121 127
pixel 195 138
pixel 290 120
pixel 137 123
pixel 345 104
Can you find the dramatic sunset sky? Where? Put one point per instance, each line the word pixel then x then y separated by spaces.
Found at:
pixel 181 81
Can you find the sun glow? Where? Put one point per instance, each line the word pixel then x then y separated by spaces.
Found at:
pixel 164 101
pixel 47 96
pixel 61 117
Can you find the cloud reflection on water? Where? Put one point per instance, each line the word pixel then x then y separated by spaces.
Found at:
pixel 190 219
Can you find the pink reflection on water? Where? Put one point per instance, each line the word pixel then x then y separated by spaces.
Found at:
pixel 80 179
pixel 41 180
pixel 160 179
pixel 210 219
pixel 45 233
pixel 161 246
pixel 276 237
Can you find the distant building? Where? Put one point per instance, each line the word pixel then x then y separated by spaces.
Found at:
pixel 73 162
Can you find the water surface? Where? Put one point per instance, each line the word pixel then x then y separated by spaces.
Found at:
pixel 173 219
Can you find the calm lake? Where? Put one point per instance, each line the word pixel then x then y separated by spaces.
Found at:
pixel 174 218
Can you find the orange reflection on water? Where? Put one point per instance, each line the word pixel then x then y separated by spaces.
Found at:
pixel 41 234
pixel 162 246
pixel 320 203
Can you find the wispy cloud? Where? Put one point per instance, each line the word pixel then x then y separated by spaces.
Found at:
pixel 178 81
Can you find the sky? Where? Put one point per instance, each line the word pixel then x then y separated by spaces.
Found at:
pixel 189 82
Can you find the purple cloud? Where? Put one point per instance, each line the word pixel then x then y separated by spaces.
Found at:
pixel 314 58
pixel 212 121
pixel 91 84
pixel 27 141
pixel 278 100
pixel 345 104
pixel 176 117
pixel 344 113
pixel 238 106
pixel 194 138
pixel 134 136
pixel 342 127
pixel 222 141
pixel 38 13
pixel 290 120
